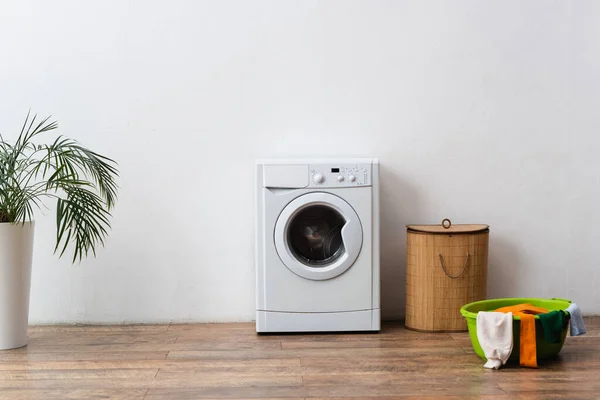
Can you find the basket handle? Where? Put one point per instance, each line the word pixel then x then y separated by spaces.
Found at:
pixel 461 272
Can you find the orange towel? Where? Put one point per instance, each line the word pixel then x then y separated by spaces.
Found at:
pixel 525 308
pixel 527 349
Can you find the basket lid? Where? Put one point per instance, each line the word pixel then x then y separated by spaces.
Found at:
pixel 447 227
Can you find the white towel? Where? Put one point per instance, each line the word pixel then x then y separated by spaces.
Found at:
pixel 577 325
pixel 495 335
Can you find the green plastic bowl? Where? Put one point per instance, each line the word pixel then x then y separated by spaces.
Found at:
pixel 543 348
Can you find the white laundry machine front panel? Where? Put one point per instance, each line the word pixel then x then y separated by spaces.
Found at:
pixel 286 290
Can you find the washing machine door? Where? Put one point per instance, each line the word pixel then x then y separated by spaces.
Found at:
pixel 318 236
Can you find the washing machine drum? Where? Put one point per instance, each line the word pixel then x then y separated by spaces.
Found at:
pixel 318 236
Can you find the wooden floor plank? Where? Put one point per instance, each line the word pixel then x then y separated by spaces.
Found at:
pixel 400 370
pixel 482 397
pixel 356 344
pixel 67 393
pixel 355 353
pixel 209 361
pixel 253 338
pixel 148 363
pixel 200 383
pixel 227 393
pixel 123 346
pixel 346 390
pixel 16 356
pixel 412 359
pixel 572 394
pixel 96 338
pixel 145 328
pixel 69 374
pixel 549 385
pixel 443 376
pixel 415 388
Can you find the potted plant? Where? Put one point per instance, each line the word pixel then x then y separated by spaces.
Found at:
pixel 82 183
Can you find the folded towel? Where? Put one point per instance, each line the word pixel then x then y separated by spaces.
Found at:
pixel 494 333
pixel 553 323
pixel 577 325
pixel 524 308
pixel 527 338
pixel 527 342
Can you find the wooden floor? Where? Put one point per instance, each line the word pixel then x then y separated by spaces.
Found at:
pixel 231 361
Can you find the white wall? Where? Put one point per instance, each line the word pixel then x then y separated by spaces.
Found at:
pixel 483 112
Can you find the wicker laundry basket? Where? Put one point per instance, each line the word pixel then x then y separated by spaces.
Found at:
pixel 446 268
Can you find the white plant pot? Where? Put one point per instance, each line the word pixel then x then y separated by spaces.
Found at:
pixel 16 250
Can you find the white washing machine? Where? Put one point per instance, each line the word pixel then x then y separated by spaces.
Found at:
pixel 317 245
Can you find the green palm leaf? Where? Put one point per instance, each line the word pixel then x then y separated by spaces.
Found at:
pixel 83 183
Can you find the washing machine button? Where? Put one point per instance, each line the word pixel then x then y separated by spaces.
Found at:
pixel 318 178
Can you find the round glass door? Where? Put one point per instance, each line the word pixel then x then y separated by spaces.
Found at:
pixel 318 236
pixel 315 235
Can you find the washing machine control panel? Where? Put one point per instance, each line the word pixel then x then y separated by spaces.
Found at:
pixel 344 175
